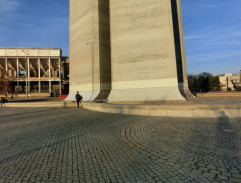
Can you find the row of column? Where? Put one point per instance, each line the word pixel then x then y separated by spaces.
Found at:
pixel 27 72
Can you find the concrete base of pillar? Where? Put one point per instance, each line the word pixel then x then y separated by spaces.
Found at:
pixel 183 86
pixel 146 94
pixel 89 95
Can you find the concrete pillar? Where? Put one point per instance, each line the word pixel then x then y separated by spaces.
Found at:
pixel 26 77
pixel 92 45
pixel 28 72
pixel 39 86
pixel 50 87
pixel 60 84
pixel 6 66
pixel 183 85
pixel 143 56
pixel 39 77
pixel 17 60
pixel 227 83
pixel 18 73
pixel 49 68
pixel 28 68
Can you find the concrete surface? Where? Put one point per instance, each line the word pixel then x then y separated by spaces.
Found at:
pixel 72 145
pixel 144 51
pixel 196 111
pixel 195 107
pixel 135 49
pixel 89 49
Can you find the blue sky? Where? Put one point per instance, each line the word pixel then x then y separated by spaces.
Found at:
pixel 212 30
pixel 35 23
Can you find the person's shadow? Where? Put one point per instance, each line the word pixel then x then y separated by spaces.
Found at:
pixel 227 141
pixel 214 146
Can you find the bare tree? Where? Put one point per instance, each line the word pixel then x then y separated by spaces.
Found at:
pixel 4 81
pixel 203 82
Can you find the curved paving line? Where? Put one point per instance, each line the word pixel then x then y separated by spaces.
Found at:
pixel 149 138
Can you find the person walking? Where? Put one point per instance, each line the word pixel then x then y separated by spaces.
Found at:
pixel 78 98
pixel 2 101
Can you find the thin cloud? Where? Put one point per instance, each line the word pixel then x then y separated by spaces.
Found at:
pixel 230 43
pixel 204 6
pixel 186 4
pixel 203 58
pixel 54 19
pixel 191 37
pixel 25 24
pixel 9 5
pixel 238 34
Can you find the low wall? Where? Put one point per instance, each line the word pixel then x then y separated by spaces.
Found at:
pixel 197 111
pixel 41 104
pixel 221 94
pixel 35 95
pixel 185 111
pixel 29 95
pixel 34 104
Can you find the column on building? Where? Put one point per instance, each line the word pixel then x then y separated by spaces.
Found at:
pixel 227 80
pixel 39 76
pixel 18 74
pixel 28 75
pixel 60 84
pixel 50 86
pixel 6 66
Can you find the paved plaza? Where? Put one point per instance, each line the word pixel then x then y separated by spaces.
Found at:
pixel 76 145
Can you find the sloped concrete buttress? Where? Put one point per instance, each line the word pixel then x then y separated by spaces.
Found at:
pixel 143 51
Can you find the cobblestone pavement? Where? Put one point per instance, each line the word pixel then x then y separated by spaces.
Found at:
pixel 76 145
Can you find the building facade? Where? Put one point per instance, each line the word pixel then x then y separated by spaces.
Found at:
pixel 32 71
pixel 127 50
pixel 230 82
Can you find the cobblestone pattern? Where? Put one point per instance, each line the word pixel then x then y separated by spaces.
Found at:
pixel 76 145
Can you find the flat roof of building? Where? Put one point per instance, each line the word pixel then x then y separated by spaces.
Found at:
pixel 33 52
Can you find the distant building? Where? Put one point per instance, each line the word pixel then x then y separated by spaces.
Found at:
pixel 229 81
pixel 40 71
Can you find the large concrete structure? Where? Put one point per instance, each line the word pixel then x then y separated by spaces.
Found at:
pixel 90 48
pixel 36 70
pixel 146 59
